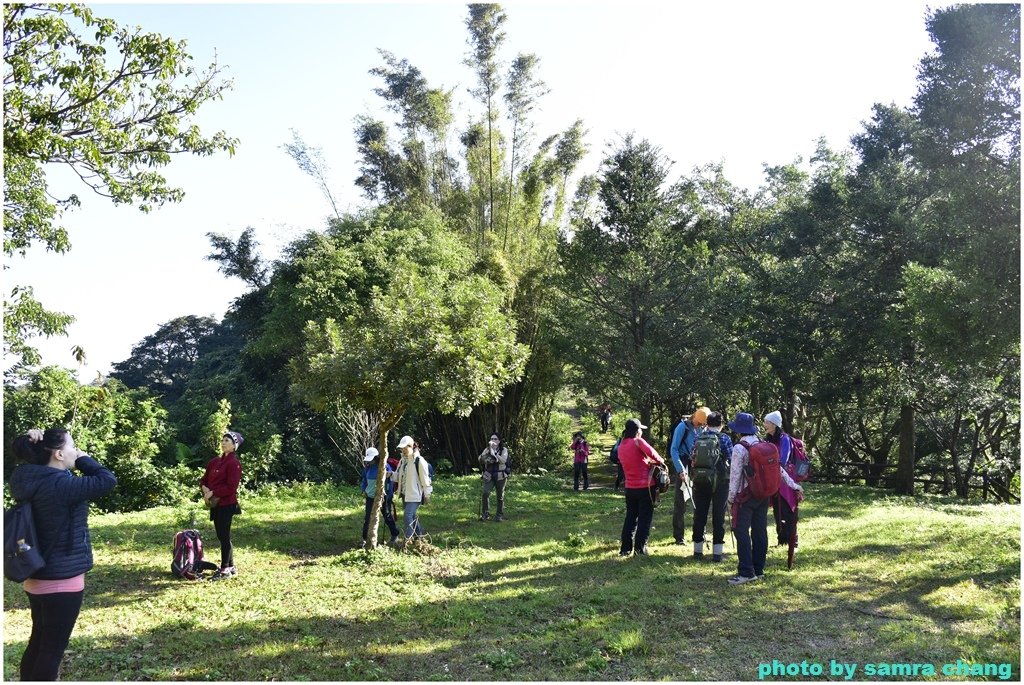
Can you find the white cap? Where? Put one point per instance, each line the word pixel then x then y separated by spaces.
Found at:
pixel 406 441
pixel 774 417
pixel 371 454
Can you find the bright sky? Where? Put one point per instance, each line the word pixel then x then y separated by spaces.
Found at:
pixel 742 83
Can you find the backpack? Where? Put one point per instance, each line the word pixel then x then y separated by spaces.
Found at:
pixel 764 463
pixel 799 465
pixel 187 561
pixel 614 454
pixel 509 466
pixel 658 476
pixel 22 557
pixel 705 458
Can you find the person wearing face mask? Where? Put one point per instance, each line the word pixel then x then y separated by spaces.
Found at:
pixel 493 464
pixel 60 509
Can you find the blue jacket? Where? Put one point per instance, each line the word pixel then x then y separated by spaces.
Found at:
pixel 682 444
pixel 60 508
pixel 370 476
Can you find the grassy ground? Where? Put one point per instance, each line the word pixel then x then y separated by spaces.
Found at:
pixel 542 595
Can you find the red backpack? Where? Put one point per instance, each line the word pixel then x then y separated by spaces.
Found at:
pixel 764 464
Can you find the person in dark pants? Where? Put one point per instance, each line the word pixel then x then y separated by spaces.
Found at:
pixel 614 456
pixel 705 497
pixel 683 437
pixel 60 510
pixel 637 457
pixel 580 456
pixel 220 491
pixel 494 474
pixel 750 517
pixel 781 509
pixel 368 485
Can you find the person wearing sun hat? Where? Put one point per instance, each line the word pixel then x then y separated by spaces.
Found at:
pixel 368 485
pixel 750 516
pixel 685 435
pixel 220 490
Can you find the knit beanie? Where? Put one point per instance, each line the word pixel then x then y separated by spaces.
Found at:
pixel 774 417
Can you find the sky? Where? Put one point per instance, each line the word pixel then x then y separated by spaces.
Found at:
pixel 740 83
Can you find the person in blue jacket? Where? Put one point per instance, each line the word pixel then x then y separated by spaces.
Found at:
pixel 369 487
pixel 60 509
pixel 682 444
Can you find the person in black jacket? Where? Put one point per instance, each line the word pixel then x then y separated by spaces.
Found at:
pixel 60 508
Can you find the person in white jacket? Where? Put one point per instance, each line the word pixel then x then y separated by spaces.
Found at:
pixel 413 484
pixel 750 517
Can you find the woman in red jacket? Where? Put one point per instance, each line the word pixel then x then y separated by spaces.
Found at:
pixel 220 490
pixel 637 457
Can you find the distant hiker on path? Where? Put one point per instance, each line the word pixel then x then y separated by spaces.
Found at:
pixel 604 412
pixel 220 492
pixel 494 465
pixel 637 457
pixel 580 456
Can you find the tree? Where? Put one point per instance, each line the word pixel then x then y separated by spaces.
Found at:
pixel 432 337
pixel 522 92
pixel 310 161
pixel 111 104
pixel 485 37
pixel 239 258
pixel 630 281
pixel 163 362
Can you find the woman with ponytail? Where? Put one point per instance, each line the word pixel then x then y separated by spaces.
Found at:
pixel 60 509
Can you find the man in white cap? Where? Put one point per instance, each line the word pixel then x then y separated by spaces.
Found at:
pixel 414 486
pixel 369 488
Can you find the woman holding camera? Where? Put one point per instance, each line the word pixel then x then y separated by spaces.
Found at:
pixel 493 462
pixel 220 492
pixel 60 509
pixel 637 456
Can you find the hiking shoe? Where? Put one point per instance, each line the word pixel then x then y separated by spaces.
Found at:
pixel 362 545
pixel 625 554
pixel 224 573
pixel 760 576
pixel 698 555
pixel 498 518
pixel 716 558
pixel 642 552
pixel 739 580
pixel 484 517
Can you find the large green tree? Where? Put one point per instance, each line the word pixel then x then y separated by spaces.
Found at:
pixel 113 104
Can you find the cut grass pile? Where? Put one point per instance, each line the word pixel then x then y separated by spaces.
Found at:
pixel 542 595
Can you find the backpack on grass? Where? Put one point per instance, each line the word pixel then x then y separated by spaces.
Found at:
pixel 799 465
pixel 705 458
pixel 188 560
pixel 764 472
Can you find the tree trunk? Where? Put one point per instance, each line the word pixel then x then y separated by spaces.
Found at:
pixel 905 470
pixel 755 385
pixel 389 422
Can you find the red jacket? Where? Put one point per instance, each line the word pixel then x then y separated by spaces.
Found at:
pixel 223 474
pixel 636 456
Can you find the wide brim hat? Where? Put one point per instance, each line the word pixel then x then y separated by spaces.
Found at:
pixel 743 424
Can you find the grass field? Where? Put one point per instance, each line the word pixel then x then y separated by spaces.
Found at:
pixel 542 595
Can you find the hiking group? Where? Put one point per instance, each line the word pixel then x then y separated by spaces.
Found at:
pixel 719 475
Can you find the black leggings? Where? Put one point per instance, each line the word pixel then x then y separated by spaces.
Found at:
pixel 222 524
pixel 53 619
